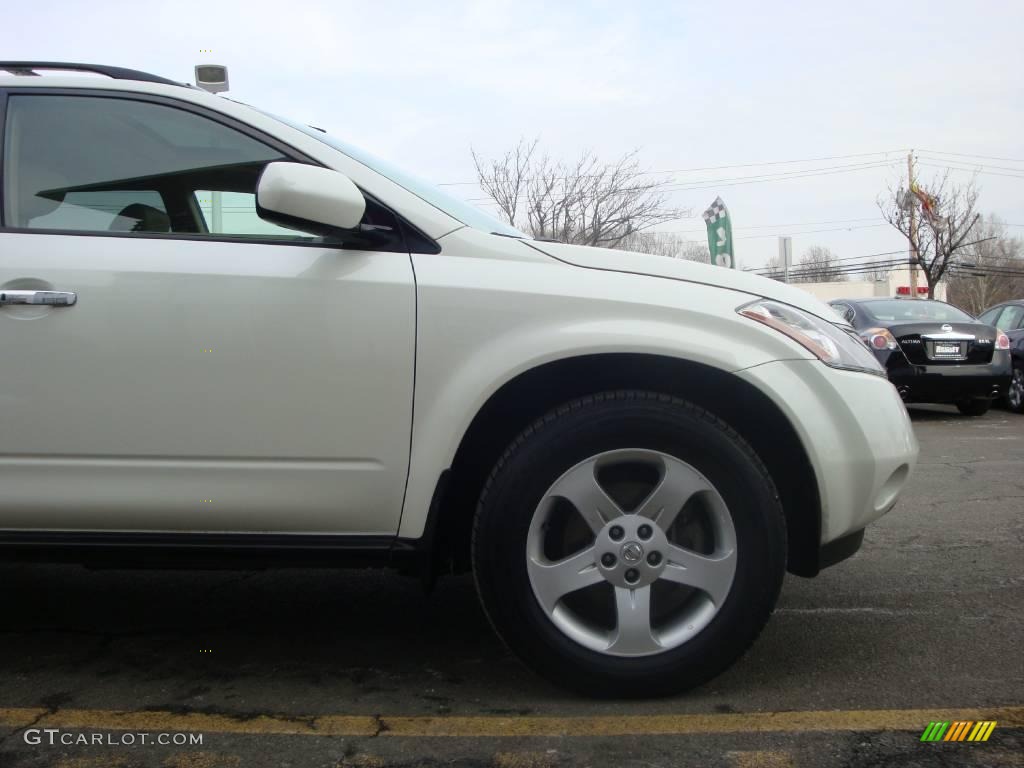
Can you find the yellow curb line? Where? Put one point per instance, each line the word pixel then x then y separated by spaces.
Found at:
pixel 492 726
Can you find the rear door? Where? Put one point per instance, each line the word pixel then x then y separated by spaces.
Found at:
pixel 215 372
pixel 1011 322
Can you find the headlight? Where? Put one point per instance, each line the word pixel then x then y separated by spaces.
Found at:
pixel 830 344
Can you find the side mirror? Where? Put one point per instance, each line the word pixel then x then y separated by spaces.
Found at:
pixel 309 198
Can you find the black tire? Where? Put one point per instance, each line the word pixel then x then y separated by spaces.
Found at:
pixel 584 428
pixel 1014 399
pixel 974 407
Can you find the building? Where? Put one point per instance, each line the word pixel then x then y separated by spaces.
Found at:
pixel 895 284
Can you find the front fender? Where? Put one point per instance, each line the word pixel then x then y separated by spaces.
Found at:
pixel 483 322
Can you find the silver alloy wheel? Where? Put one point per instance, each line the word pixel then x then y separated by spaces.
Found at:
pixel 1016 392
pixel 675 547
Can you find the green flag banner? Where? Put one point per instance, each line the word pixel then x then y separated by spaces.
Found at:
pixel 720 234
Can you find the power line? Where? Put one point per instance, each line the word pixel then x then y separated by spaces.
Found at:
pixel 777 234
pixel 811 231
pixel 741 180
pixel 972 165
pixel 867 266
pixel 858 259
pixel 872 255
pixel 807 223
pixel 717 167
pixel 983 157
pixel 735 181
pixel 826 271
pixel 994 270
pixel 871 266
pixel 975 170
pixel 775 226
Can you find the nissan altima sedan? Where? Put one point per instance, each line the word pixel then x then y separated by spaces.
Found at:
pixel 932 351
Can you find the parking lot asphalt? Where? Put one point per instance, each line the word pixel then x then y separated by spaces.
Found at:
pixel 360 668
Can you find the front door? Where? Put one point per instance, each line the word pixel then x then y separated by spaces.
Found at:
pixel 214 373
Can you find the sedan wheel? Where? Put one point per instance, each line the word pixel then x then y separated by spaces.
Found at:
pixel 976 407
pixel 1015 394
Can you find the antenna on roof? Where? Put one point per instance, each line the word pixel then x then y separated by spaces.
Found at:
pixel 212 77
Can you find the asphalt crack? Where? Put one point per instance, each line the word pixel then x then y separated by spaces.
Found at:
pixel 52 705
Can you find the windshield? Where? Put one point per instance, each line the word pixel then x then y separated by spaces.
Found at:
pixel 457 209
pixel 916 309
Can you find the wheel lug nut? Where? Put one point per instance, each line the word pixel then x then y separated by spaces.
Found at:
pixel 607 559
pixel 616 533
pixel 644 531
pixel 654 558
pixel 632 575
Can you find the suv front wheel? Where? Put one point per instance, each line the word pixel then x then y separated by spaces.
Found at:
pixel 629 543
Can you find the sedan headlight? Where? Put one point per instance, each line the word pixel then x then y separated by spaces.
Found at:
pixel 831 344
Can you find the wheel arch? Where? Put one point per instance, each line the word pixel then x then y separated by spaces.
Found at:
pixel 529 395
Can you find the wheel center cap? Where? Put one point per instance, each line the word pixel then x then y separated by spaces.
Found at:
pixel 632 552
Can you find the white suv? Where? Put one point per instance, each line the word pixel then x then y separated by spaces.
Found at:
pixel 228 338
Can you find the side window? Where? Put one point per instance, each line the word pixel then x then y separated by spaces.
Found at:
pixel 120 165
pixel 989 318
pixel 127 211
pixel 1010 319
pixel 844 311
pixel 234 213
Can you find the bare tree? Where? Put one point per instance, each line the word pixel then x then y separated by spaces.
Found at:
pixel 817 265
pixel 874 270
pixel 667 244
pixel 989 270
pixel 945 224
pixel 774 268
pixel 584 201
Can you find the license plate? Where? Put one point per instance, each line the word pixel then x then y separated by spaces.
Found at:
pixel 947 349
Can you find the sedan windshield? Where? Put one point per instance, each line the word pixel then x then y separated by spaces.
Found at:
pixel 457 209
pixel 914 310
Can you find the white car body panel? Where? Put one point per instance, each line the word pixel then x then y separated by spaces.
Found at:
pixel 856 432
pixel 529 309
pixel 689 271
pixel 116 417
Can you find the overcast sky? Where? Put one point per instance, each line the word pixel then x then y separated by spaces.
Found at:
pixel 689 84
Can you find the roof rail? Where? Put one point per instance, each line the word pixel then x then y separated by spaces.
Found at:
pixel 117 73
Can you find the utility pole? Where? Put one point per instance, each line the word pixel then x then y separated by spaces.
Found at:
pixel 786 255
pixel 914 257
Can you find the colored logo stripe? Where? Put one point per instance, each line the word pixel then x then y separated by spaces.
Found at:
pixel 982 731
pixel 959 730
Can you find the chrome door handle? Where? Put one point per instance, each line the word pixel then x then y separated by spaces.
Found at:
pixel 52 298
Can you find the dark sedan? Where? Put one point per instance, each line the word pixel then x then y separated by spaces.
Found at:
pixel 932 351
pixel 1008 317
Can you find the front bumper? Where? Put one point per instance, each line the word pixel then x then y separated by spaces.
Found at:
pixel 855 431
pixel 947 382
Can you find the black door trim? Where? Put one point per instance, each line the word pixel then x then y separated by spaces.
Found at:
pixel 198 550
